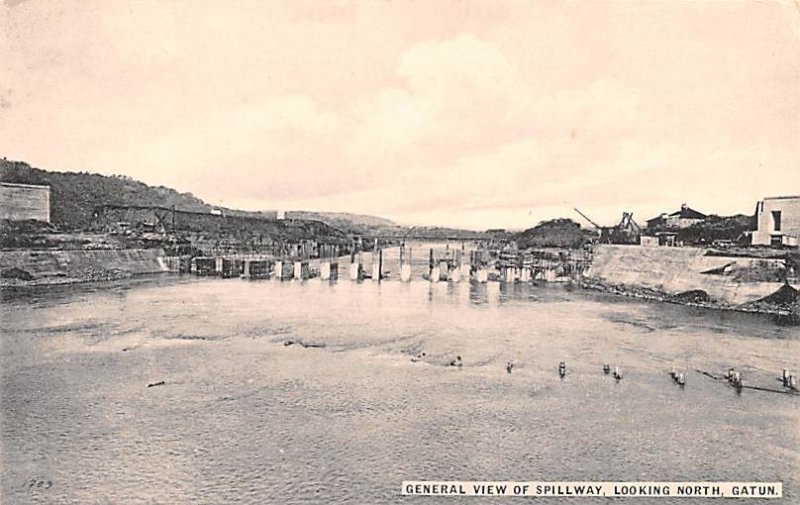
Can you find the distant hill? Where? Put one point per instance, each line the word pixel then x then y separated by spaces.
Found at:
pixel 360 224
pixel 442 233
pixel 74 195
pixel 349 223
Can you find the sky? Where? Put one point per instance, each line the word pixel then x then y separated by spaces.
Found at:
pixel 475 114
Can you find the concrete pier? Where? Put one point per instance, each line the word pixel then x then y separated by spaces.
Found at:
pixel 377 265
pixel 178 264
pixel 231 267
pixel 328 270
pixel 355 271
pixel 282 271
pixel 301 270
pixel 405 272
pixel 482 275
pixel 435 274
pixel 525 274
pixel 356 268
pixel 203 266
pixel 218 266
pixel 258 269
pixel 454 274
pixel 466 269
pixel 405 263
pixel 444 270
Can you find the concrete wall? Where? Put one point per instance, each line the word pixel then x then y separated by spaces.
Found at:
pixel 675 270
pixel 81 264
pixel 789 208
pixel 24 201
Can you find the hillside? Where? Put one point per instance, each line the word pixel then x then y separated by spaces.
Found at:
pixel 75 195
pixel 564 233
pixel 713 228
pixel 349 223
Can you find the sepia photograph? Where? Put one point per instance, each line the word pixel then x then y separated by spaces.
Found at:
pixel 399 252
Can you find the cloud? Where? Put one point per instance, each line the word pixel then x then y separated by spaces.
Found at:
pixel 268 145
pixel 443 113
pixel 605 108
pixel 459 72
pixel 297 113
pixel 392 120
pixel 465 135
pixel 453 88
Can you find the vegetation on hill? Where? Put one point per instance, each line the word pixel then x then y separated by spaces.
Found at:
pixel 359 224
pixel 712 228
pixel 500 233
pixel 74 196
pixel 563 232
pixel 350 223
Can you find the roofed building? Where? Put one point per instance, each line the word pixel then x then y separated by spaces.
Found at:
pixel 683 218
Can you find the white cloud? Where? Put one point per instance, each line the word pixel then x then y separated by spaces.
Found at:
pixel 603 109
pixel 385 108
pixel 460 71
pixel 268 146
pixel 297 113
pixel 392 120
pixel 453 89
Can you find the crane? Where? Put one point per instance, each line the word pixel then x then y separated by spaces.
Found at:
pixel 587 218
pixel 628 224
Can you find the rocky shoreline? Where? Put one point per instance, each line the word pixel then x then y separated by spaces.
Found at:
pixel 94 275
pixel 785 302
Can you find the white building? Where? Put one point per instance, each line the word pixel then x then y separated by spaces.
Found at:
pixel 778 220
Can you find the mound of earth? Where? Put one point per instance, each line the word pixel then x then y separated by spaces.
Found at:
pixel 16 273
pixel 786 295
pixel 693 296
pixel 786 298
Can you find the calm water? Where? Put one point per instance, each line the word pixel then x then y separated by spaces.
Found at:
pixel 243 418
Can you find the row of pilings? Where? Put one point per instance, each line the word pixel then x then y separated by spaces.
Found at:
pixel 448 265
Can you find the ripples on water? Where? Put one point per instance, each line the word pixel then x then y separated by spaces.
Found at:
pixel 244 418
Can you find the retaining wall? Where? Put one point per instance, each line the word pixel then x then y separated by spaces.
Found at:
pixel 674 270
pixel 84 264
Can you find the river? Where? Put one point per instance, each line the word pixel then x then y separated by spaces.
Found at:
pixel 244 418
